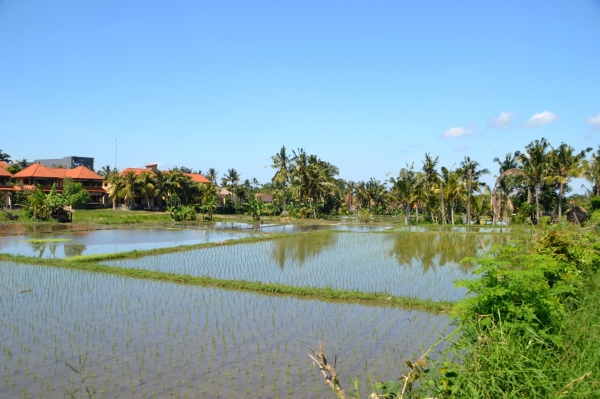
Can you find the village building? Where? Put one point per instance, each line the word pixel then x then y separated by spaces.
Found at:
pixel 6 187
pixel 39 175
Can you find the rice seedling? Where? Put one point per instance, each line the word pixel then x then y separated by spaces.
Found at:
pixel 143 324
pixel 422 266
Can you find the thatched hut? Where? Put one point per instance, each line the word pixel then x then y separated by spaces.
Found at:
pixel 577 214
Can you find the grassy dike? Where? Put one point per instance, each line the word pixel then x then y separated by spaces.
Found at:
pixel 92 263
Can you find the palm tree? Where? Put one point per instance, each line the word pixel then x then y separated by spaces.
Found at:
pixel 4 157
pixel 592 171
pixel 146 187
pixel 130 186
pixel 404 190
pixel 564 165
pixel 23 163
pixel 433 180
pixel 255 183
pixel 105 171
pixel 231 178
pixel 500 197
pixel 472 174
pixel 535 166
pixel 299 173
pixel 212 175
pixel 453 186
pixel 116 188
pixel 282 177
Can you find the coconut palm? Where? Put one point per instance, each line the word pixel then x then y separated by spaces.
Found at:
pixel 130 186
pixel 4 157
pixel 500 196
pixel 116 188
pixel 212 175
pixel 592 171
pixel 564 165
pixel 23 163
pixel 434 182
pixel 231 178
pixel 472 175
pixel 453 187
pixel 404 190
pixel 535 166
pixel 283 174
pixel 146 187
pixel 299 174
pixel 106 170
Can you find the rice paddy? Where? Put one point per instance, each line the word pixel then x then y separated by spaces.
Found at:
pixel 141 338
pixel 110 241
pixel 157 326
pixel 408 265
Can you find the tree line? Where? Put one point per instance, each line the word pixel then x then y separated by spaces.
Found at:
pixel 528 184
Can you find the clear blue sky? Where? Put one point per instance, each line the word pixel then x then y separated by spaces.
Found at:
pixel 367 86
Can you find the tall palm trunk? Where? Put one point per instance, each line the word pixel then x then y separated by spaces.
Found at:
pixel 560 195
pixel 443 211
pixel 537 203
pixel 452 213
pixel 469 200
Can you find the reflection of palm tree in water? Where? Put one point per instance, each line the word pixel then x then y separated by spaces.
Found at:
pixel 40 248
pixel 300 248
pixel 74 250
pixel 431 250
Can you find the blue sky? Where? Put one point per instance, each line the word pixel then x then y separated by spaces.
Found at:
pixel 367 86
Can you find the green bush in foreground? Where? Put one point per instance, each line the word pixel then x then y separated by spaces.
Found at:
pixel 529 328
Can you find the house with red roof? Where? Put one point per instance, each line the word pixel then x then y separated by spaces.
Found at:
pixel 38 174
pixel 6 187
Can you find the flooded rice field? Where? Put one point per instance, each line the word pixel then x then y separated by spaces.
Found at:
pixel 143 339
pixel 298 228
pixel 400 264
pixel 109 241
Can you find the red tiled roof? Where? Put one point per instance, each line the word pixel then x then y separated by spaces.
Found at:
pixel 36 170
pixel 3 165
pixel 81 172
pixel 138 171
pixel 198 178
pixel 62 172
pixel 4 172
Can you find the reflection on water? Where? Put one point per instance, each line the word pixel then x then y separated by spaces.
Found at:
pixel 351 261
pixel 297 228
pixel 438 250
pixel 298 249
pixel 41 228
pixel 111 241
pixel 464 229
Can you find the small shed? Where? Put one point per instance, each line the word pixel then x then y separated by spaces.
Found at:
pixel 577 214
pixel 64 215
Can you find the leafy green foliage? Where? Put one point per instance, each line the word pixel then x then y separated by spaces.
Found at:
pixel 74 194
pixel 255 208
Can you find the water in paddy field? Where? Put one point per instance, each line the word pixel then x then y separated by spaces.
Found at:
pixel 143 339
pixel 110 241
pixel 297 228
pixel 403 264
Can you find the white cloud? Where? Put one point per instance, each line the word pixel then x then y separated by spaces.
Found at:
pixel 541 119
pixel 461 148
pixel 458 131
pixel 503 120
pixel 594 121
